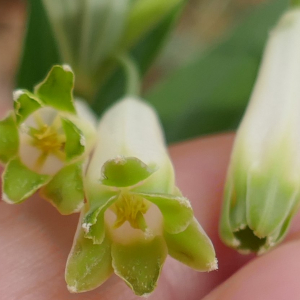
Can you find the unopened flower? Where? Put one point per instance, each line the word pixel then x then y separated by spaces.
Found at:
pixel 263 182
pixel 44 144
pixel 135 215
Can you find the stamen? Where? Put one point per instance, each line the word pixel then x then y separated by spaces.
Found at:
pixel 130 208
pixel 49 139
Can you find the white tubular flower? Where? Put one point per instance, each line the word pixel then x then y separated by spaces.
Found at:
pixel 263 182
pixel 46 140
pixel 135 214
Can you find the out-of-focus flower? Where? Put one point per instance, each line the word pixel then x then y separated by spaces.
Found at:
pixel 263 182
pixel 135 214
pixel 90 35
pixel 44 144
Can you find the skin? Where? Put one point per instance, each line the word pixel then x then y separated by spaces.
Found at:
pixel 35 241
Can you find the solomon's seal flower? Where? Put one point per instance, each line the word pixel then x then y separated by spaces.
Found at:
pixel 135 215
pixel 44 143
pixel 263 182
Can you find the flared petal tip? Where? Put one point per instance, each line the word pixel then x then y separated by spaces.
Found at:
pixel 6 199
pixel 17 94
pixel 67 68
pixel 86 227
pixel 212 266
pixel 72 289
pixel 146 295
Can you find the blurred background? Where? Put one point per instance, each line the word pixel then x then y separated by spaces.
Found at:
pixel 202 78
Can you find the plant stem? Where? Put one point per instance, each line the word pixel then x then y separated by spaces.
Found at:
pixel 132 75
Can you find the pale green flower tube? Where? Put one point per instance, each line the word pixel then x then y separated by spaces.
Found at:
pixel 263 182
pixel 135 214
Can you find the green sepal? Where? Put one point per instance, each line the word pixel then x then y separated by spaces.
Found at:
pixel 192 247
pixel 65 190
pixel 139 263
pixel 75 140
pixel 177 211
pixel 88 265
pixel 93 221
pixel 25 104
pixel 125 172
pixel 19 183
pixel 9 138
pixel 56 89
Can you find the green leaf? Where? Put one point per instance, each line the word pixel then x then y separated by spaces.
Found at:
pixel 149 46
pixel 124 172
pixel 139 264
pixel 65 190
pixel 143 54
pixel 56 89
pixel 25 104
pixel 9 138
pixel 143 16
pixel 294 3
pixel 211 92
pixel 88 265
pixel 192 247
pixel 177 211
pixel 19 183
pixel 40 51
pixel 75 140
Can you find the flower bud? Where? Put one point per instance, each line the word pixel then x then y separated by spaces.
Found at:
pixel 263 182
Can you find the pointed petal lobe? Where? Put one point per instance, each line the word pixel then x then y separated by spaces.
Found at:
pixel 139 263
pixel 65 190
pixel 19 182
pixel 88 265
pixel 193 248
pixel 176 210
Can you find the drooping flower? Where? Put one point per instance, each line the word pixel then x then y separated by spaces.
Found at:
pixel 135 214
pixel 263 182
pixel 44 142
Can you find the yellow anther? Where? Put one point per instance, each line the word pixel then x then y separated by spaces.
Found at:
pixel 131 208
pixel 49 139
